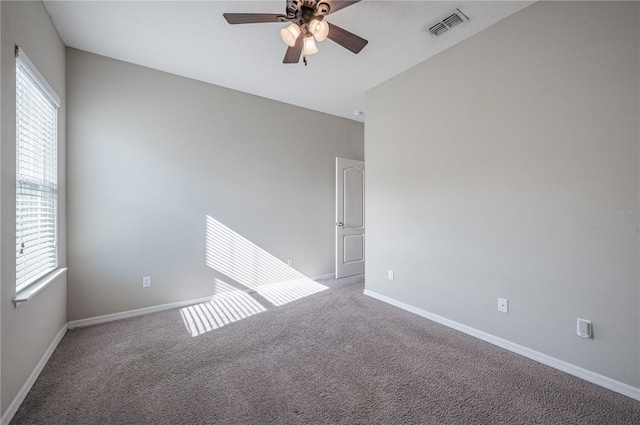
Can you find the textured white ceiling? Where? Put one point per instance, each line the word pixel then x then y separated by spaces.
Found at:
pixel 192 39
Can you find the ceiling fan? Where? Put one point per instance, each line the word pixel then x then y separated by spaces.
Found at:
pixel 307 26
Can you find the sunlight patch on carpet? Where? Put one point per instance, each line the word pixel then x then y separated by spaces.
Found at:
pixel 220 311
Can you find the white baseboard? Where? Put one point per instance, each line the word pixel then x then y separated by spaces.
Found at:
pixel 153 309
pixel 134 313
pixel 19 398
pixel 323 276
pixel 569 368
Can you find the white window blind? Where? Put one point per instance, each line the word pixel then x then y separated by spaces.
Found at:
pixel 36 175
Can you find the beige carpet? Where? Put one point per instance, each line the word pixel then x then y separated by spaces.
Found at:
pixel 332 357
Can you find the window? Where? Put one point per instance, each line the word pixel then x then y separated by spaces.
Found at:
pixel 36 174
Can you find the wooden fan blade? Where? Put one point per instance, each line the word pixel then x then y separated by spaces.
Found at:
pixel 346 39
pixel 335 5
pixel 253 18
pixel 293 53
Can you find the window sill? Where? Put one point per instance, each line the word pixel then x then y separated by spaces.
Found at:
pixel 32 290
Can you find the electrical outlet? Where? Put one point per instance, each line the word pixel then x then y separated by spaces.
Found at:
pixel 584 328
pixel 290 262
pixel 503 305
pixel 146 281
pixel 390 274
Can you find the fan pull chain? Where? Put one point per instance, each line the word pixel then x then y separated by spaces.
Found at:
pixel 304 59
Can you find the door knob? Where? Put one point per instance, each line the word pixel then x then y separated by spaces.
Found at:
pixel 340 224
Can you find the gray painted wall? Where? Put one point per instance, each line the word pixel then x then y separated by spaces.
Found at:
pixel 28 330
pixel 508 167
pixel 150 155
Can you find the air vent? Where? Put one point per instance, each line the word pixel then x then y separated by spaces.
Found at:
pixel 438 28
pixel 453 20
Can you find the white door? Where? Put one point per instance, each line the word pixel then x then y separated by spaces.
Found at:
pixel 349 217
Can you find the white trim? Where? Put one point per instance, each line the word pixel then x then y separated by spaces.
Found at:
pixel 154 309
pixel 323 276
pixel 587 375
pixel 134 313
pixel 32 290
pixel 53 96
pixel 19 398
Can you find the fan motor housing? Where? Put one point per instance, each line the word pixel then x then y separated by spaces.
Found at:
pixel 297 7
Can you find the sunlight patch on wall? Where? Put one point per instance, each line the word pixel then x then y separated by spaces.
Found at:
pixel 246 263
pixel 230 306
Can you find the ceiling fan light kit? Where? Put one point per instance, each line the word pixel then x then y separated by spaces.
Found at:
pixel 307 26
pixel 319 29
pixel 309 46
pixel 290 34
